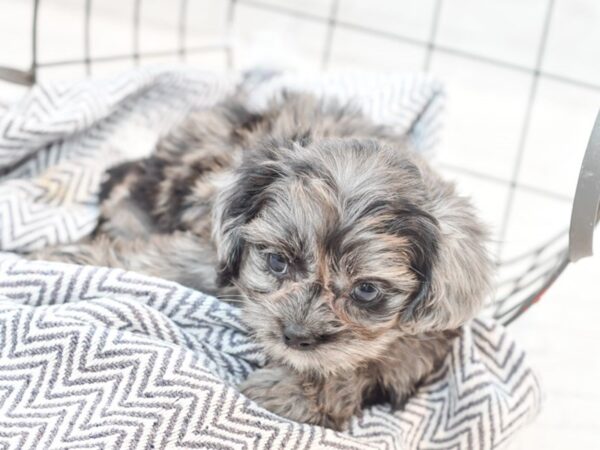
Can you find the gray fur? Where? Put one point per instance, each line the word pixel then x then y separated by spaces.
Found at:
pixel 344 202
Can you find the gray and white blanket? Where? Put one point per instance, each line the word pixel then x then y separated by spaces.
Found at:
pixel 103 358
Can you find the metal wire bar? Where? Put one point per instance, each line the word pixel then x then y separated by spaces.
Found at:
pixel 435 21
pixel 131 56
pixel 230 21
pixel 34 41
pixel 16 76
pixel 536 251
pixel 508 207
pixel 284 10
pixel 584 215
pixel 524 294
pixel 86 38
pixel 136 31
pixel 182 29
pixel 505 182
pixel 329 37
pixel 535 297
pixel 572 81
pixel 529 274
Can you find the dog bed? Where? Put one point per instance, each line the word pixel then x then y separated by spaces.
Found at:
pixel 103 358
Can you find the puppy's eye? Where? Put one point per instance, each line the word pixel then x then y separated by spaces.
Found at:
pixel 365 292
pixel 277 263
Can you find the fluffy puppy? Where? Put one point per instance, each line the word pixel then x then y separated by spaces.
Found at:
pixel 354 263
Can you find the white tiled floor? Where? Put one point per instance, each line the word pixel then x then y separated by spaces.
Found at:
pixel 344 55
pixel 105 23
pixel 279 41
pixel 486 108
pixel 405 18
pixel 320 8
pixel 573 46
pixel 507 30
pixel 562 338
pixel 485 113
pixel 536 218
pixel 561 121
pixel 15 21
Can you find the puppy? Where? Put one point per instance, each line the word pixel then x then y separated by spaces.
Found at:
pixel 354 263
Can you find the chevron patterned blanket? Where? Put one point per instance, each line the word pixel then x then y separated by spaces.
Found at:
pixel 102 358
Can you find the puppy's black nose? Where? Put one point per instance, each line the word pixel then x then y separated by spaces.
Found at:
pixel 298 338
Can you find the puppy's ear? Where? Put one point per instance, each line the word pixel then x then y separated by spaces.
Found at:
pixel 241 199
pixel 423 233
pixel 457 277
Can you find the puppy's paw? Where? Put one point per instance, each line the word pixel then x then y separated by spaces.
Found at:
pixel 285 393
pixel 279 391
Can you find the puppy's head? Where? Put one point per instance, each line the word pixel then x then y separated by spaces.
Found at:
pixel 342 246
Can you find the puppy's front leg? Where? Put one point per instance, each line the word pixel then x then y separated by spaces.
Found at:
pixel 299 398
pixel 284 393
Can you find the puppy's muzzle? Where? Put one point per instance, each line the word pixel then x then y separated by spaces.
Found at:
pixel 299 338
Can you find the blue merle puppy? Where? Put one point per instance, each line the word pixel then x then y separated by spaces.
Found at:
pixel 354 263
